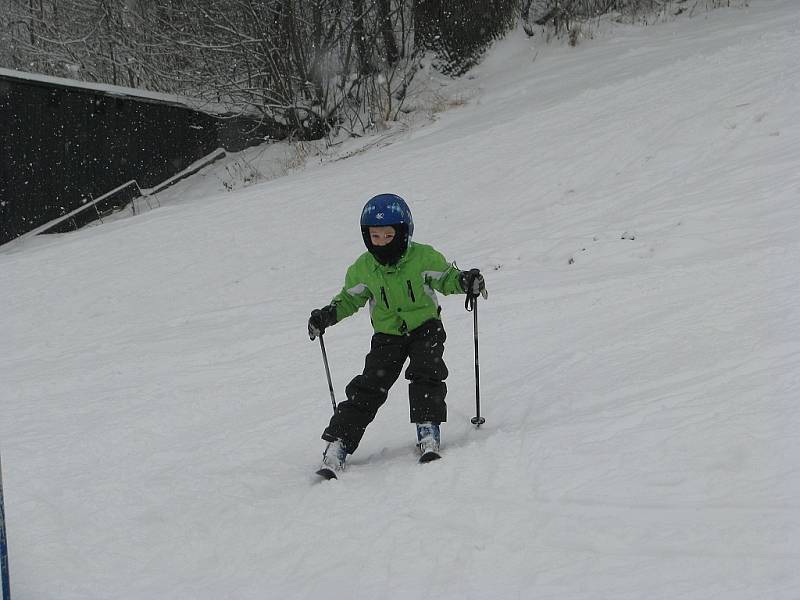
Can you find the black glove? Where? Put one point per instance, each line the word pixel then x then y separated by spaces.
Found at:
pixel 320 319
pixel 472 283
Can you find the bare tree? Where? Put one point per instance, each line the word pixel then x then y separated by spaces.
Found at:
pixel 307 68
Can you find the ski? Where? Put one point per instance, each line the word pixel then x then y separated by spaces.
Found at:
pixel 327 474
pixel 429 456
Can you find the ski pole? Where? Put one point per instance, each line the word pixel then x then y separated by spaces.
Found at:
pixel 471 304
pixel 327 371
pixel 477 420
pixel 4 577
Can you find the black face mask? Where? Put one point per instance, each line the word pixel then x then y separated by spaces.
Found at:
pixel 391 252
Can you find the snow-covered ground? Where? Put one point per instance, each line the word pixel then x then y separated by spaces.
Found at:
pixel 635 205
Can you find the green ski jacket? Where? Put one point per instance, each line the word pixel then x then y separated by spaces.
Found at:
pixel 401 297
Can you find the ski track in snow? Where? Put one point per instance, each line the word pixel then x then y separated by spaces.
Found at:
pixel 162 406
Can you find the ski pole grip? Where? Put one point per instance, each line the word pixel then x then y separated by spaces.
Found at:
pixel 472 298
pixel 484 293
pixel 312 331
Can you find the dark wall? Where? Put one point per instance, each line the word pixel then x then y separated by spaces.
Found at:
pixel 61 146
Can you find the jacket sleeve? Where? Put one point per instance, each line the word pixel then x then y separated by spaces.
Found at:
pixel 441 275
pixel 353 296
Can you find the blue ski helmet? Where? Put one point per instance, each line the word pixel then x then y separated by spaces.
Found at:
pixel 387 209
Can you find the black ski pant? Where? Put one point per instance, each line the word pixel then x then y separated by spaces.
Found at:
pixel 366 393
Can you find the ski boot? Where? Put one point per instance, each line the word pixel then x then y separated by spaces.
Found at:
pixel 333 460
pixel 428 441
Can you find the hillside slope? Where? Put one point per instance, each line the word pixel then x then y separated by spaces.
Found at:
pixel 634 204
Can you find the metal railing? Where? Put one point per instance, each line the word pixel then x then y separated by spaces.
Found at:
pixel 146 193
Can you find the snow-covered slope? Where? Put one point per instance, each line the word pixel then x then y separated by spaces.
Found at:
pixel 635 206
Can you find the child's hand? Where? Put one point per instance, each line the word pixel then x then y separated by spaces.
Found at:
pixel 320 319
pixel 472 283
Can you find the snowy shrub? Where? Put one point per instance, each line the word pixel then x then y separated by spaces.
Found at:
pixel 563 17
pixel 459 33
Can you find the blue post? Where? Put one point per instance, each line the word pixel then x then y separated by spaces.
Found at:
pixel 3 545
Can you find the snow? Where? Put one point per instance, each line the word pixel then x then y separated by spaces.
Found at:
pixel 633 203
pixel 115 90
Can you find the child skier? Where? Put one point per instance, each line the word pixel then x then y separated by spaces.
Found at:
pixel 399 278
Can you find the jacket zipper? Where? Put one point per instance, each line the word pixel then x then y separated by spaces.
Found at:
pixel 411 291
pixel 383 295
